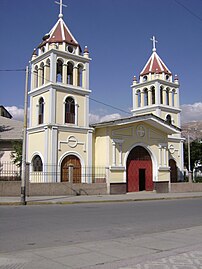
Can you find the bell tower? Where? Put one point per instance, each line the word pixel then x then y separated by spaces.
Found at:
pixel 157 92
pixel 59 100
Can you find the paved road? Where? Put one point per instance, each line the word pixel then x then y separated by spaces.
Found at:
pixel 96 235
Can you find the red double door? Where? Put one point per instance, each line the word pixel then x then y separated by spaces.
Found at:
pixel 139 170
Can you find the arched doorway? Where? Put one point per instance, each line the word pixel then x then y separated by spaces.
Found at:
pixel 139 170
pixel 68 163
pixel 173 171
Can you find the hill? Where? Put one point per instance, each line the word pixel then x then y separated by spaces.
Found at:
pixel 193 129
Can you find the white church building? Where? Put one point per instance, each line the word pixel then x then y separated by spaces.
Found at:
pixel 140 152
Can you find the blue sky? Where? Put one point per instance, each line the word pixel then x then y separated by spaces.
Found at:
pixel 117 33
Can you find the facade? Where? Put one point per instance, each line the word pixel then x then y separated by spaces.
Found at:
pixel 141 152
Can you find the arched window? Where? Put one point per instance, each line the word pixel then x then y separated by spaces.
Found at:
pixel 79 78
pixel 70 73
pixel 168 119
pixel 138 98
pixel 173 97
pixel 69 110
pixel 36 77
pixel 146 97
pixel 161 95
pixel 37 165
pixel 167 96
pixel 41 111
pixel 59 71
pixel 153 95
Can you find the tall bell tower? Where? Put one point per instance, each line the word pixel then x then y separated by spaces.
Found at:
pixel 59 101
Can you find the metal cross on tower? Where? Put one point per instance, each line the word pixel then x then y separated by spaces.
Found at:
pixel 154 43
pixel 61 5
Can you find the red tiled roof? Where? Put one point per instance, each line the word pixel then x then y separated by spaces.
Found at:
pixel 60 33
pixel 155 65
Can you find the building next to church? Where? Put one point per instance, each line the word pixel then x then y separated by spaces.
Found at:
pixel 140 152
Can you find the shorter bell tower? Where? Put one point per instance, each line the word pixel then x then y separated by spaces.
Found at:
pixel 157 92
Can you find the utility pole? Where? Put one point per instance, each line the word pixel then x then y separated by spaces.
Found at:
pixel 189 161
pixel 23 179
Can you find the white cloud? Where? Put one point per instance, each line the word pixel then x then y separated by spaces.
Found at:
pixel 17 113
pixel 191 112
pixel 97 118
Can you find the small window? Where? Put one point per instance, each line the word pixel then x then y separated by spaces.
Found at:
pixel 70 49
pixel 167 77
pixel 145 78
pixel 168 119
pixel 59 71
pixel 37 164
pixel 153 95
pixel 41 111
pixel 70 73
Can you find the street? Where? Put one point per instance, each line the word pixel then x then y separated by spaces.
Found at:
pixel 43 227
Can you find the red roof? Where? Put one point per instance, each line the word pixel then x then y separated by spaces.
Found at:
pixel 58 34
pixel 155 65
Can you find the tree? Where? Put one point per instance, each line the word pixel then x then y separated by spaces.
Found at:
pixel 16 154
pixel 195 153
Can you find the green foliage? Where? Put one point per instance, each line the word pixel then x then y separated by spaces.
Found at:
pixel 198 180
pixel 195 153
pixel 16 154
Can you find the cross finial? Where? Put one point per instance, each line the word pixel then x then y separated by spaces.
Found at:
pixel 154 43
pixel 61 5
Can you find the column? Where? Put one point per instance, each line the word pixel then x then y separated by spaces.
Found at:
pixel 113 153
pixel 176 98
pixel 46 154
pixel 39 77
pixel 120 154
pixel 53 64
pixel 47 73
pixel 170 98
pixel 164 157
pixel 83 83
pixel 52 106
pixel 135 99
pixel 86 76
pixel 64 73
pixel 75 76
pixel 142 98
pixel 160 155
pixel 157 93
pixel 53 154
pixel 164 97
pixel 149 97
pixel 89 154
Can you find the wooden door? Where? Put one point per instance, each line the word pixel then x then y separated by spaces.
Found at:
pixel 74 162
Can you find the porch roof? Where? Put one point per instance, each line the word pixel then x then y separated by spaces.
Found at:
pixel 149 118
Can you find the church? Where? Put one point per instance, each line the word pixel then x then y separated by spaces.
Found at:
pixel 141 152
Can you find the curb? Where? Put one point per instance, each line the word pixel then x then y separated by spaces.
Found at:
pixel 97 201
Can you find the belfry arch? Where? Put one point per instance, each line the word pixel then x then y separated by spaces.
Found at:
pixel 139 170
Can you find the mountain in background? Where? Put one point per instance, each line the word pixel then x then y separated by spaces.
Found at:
pixel 193 129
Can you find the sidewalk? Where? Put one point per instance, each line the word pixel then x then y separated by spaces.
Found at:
pixel 135 196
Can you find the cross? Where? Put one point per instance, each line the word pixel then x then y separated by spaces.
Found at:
pixel 154 43
pixel 61 5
